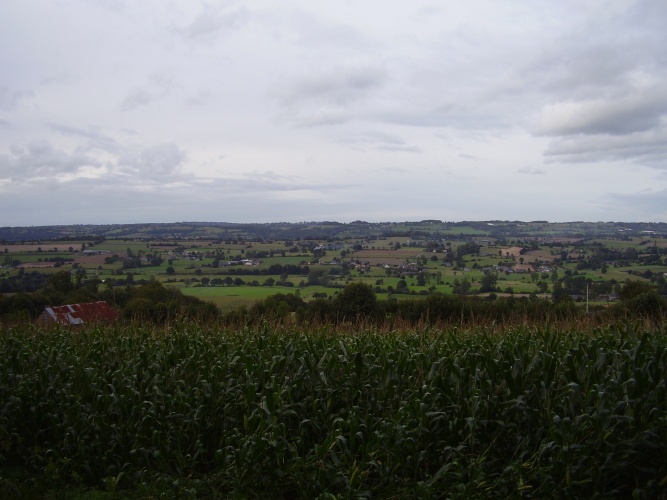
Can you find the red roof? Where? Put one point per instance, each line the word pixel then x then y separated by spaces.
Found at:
pixel 77 314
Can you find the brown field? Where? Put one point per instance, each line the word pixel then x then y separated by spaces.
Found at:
pixel 543 255
pixel 529 268
pixel 516 251
pixel 386 257
pixel 91 259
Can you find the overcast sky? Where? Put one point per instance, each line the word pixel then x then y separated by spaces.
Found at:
pixel 120 111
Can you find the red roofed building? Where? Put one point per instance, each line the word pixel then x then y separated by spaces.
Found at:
pixel 77 314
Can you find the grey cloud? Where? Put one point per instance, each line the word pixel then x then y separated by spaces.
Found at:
pixel 646 205
pixel 155 161
pixel 111 5
pixel 326 98
pixel 606 54
pixel 625 115
pixel 211 21
pixel 340 86
pixel 401 149
pixel 40 159
pixel 198 99
pixel 605 89
pixel 9 98
pixel 531 170
pixel 647 148
pixel 160 83
pixel 135 98
pixel 95 139
pixel 319 118
pixel 381 141
pixel 317 31
pixel 72 131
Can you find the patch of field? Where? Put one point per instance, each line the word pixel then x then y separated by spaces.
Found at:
pixel 91 260
pixel 386 257
pixel 231 297
pixel 33 265
pixel 542 254
pixel 516 251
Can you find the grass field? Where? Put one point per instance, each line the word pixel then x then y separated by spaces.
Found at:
pixel 231 297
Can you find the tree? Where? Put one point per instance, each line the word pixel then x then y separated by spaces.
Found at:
pixel 356 299
pixel 633 288
pixel 61 282
pixel 170 270
pixel 488 282
pixel 461 287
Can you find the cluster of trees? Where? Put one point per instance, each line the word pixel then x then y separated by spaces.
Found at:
pixel 357 301
pixel 273 269
pixel 150 301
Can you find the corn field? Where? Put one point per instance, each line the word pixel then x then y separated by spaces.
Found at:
pixel 284 412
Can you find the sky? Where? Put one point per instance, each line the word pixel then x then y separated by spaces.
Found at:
pixel 125 111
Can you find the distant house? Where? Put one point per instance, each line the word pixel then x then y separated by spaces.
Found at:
pixel 77 314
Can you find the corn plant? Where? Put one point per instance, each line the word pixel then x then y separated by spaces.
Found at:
pixel 298 412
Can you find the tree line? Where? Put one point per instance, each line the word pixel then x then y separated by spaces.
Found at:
pixel 356 302
pixel 150 301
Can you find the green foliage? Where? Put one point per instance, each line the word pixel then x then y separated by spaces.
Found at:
pixel 357 300
pixel 641 300
pixel 489 281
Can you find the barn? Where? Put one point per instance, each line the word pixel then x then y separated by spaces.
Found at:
pixel 77 314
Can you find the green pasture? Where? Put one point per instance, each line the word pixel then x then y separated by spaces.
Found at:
pixel 232 297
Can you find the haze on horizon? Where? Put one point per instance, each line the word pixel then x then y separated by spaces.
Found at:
pixel 117 111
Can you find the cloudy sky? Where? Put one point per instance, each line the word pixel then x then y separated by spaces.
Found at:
pixel 120 111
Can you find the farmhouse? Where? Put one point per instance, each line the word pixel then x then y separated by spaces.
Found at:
pixel 77 314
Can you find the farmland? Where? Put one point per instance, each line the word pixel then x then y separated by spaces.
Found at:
pixel 235 266
pixel 288 412
pixel 430 360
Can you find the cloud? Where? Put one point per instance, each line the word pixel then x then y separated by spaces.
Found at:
pixel 531 170
pixel 211 21
pixel 136 98
pixel 380 141
pixel 10 98
pixel 625 115
pixel 96 157
pixel 647 148
pixel 153 162
pixel 647 205
pixel 327 97
pixel 39 159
